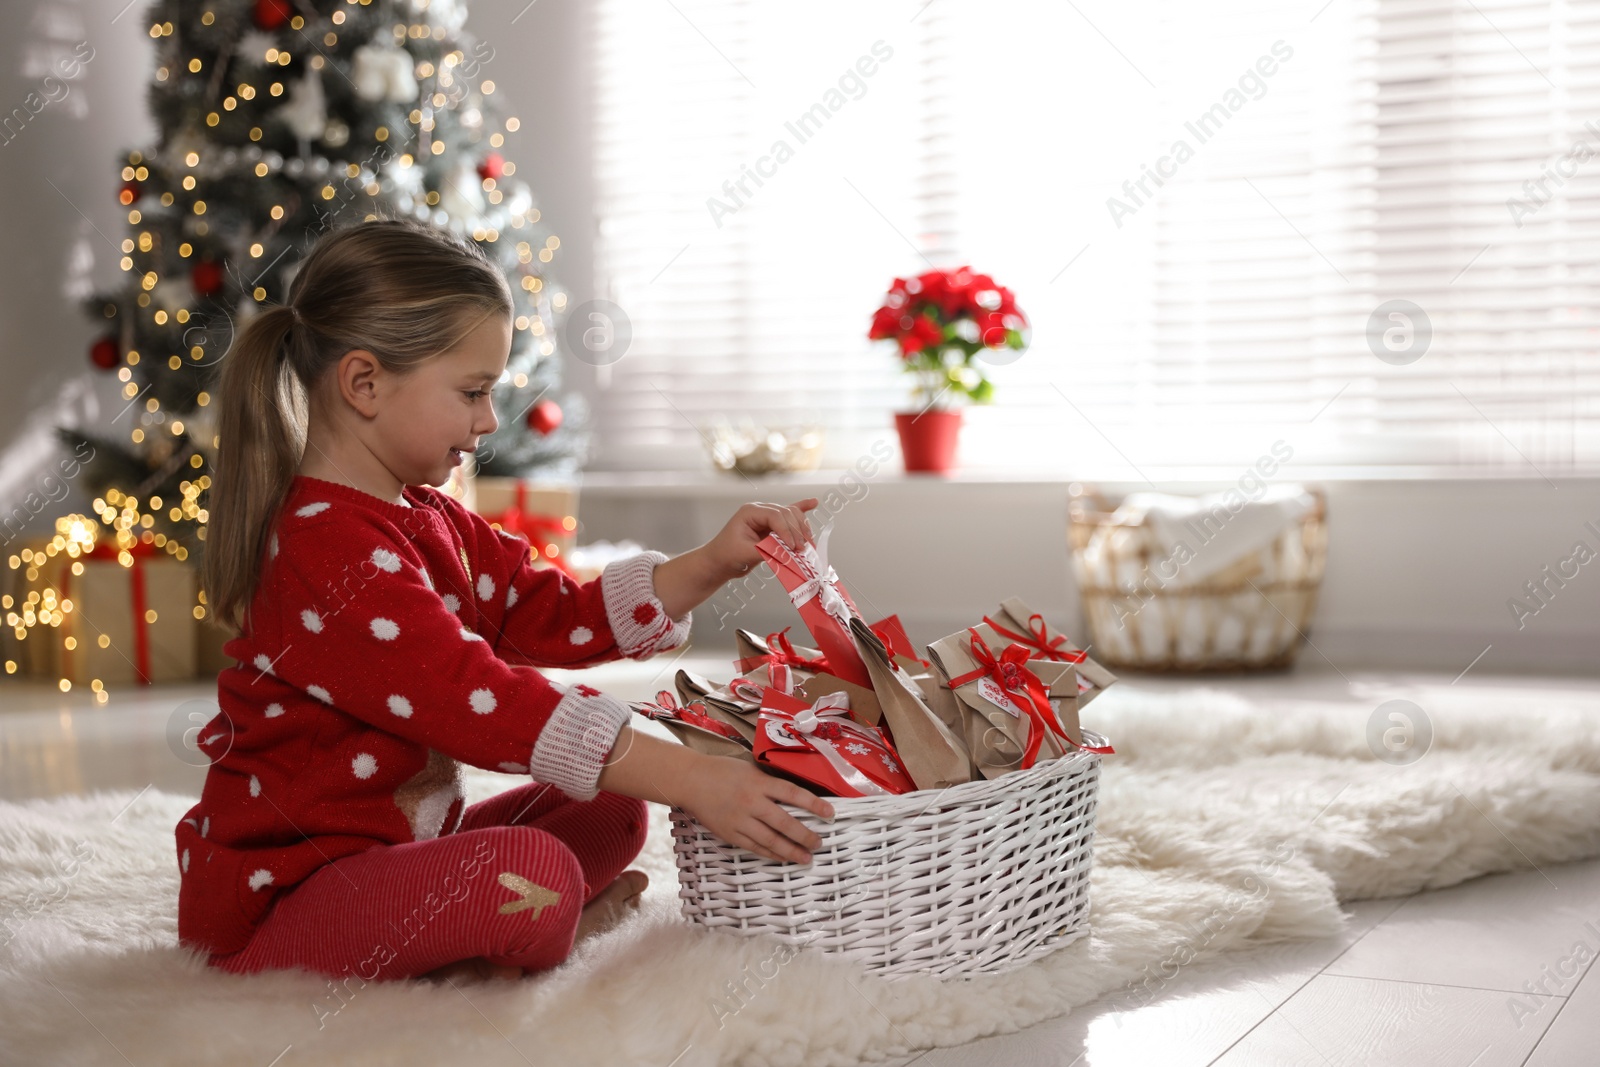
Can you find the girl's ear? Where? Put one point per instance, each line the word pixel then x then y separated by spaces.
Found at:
pixel 359 374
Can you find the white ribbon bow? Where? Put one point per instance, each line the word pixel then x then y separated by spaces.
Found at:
pixel 834 708
pixel 821 581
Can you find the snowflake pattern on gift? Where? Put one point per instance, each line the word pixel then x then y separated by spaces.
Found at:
pixel 858 748
pixel 888 762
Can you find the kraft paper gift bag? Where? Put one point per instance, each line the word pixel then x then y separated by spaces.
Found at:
pixel 933 755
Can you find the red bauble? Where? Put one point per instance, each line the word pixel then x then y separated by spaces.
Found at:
pixel 544 416
pixel 207 277
pixel 493 166
pixel 129 193
pixel 271 14
pixel 105 353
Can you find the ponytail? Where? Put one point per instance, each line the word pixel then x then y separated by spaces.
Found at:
pixel 260 435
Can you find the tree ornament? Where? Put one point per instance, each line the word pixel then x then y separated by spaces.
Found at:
pixel 272 14
pixel 207 277
pixel 384 72
pixel 105 353
pixel 306 113
pixel 493 166
pixel 544 417
pixel 130 193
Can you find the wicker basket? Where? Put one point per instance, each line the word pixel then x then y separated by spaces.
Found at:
pixel 978 878
pixel 1252 615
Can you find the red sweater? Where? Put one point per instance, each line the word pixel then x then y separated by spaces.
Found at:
pixel 385 643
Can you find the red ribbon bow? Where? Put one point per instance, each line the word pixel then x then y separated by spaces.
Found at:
pixel 1039 641
pixel 666 706
pixel 540 530
pixel 1017 680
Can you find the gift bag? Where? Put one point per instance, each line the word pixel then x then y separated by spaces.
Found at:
pixel 1010 720
pixel 933 755
pixel 1015 621
pixel 690 724
pixel 826 609
pixel 822 745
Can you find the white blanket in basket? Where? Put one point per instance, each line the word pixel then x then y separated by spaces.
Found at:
pixel 1216 530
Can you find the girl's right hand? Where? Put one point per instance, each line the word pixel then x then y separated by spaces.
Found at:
pixel 739 803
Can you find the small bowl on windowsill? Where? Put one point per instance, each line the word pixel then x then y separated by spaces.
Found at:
pixel 746 448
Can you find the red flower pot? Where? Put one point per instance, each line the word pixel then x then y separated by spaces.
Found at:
pixel 928 440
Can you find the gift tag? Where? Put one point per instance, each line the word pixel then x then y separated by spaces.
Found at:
pixel 991 691
pixel 781 736
pixel 1084 685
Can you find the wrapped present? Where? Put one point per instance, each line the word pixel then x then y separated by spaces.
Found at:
pixel 824 606
pixel 1015 621
pixel 691 725
pixel 1010 720
pixel 545 514
pixel 132 617
pixel 934 755
pixel 823 745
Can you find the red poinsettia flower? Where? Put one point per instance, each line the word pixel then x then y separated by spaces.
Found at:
pixel 922 333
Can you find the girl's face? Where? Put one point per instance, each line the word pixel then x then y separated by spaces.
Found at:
pixel 438 412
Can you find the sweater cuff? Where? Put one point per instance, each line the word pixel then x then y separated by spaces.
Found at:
pixel 573 746
pixel 638 619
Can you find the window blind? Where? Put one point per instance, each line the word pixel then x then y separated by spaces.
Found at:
pixel 1208 212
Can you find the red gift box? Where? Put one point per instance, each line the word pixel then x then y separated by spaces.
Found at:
pixel 824 606
pixel 822 744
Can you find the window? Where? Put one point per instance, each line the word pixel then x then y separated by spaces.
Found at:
pixel 1230 224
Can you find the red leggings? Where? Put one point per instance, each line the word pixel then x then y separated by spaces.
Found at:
pixel 508 885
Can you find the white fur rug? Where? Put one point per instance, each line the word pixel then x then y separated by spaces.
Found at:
pixel 1222 825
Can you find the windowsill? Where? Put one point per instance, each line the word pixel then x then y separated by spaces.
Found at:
pixel 718 483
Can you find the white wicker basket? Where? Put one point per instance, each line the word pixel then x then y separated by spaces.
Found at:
pixel 979 878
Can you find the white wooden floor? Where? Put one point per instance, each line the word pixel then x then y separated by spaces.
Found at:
pixel 1493 973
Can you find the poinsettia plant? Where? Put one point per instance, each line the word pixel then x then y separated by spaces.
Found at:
pixel 940 321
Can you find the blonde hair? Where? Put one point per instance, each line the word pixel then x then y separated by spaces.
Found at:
pixel 399 290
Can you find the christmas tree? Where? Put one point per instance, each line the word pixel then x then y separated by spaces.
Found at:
pixel 280 120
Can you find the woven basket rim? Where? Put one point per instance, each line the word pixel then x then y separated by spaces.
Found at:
pixel 977 790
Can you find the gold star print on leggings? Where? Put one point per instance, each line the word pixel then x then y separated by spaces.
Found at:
pixel 534 897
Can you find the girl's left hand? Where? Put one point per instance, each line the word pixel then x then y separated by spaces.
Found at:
pixel 734 548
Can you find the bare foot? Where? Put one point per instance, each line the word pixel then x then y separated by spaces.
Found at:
pixel 611 906
pixel 476 969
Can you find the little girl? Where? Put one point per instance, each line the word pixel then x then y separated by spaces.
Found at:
pixel 385 635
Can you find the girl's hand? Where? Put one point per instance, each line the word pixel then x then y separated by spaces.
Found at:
pixel 739 803
pixel 734 548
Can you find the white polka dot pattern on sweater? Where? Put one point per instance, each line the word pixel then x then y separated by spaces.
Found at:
pixel 320 693
pixel 205 826
pixel 485 586
pixel 313 509
pixel 365 765
pixel 427 579
pixel 511 598
pixel 272 545
pixel 255 786
pixel 452 602
pixel 274 710
pixel 385 629
pixel 184 863
pixel 312 620
pixel 263 663
pixel 468 635
pixel 582 635
pixel 261 878
pixel 482 700
pixel 386 560
pixel 400 706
